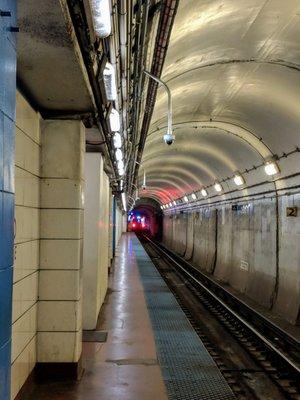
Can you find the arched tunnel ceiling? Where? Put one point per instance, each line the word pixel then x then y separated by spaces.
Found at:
pixel 233 70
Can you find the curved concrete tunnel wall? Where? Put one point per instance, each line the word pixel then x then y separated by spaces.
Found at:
pixel 235 90
pixel 253 249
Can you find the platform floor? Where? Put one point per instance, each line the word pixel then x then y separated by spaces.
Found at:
pixel 151 352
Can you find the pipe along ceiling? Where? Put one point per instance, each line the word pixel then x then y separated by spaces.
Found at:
pixel 233 71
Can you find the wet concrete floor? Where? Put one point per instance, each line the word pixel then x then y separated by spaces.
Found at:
pixel 125 367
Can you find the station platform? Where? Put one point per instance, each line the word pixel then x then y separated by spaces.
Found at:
pixel 151 351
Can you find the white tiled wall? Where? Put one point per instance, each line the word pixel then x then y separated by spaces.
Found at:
pixel 47 295
pixel 104 242
pixel 96 256
pixel 26 264
pixel 119 224
pixel 61 236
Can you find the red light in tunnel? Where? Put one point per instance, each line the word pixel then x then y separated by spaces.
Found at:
pixel 133 225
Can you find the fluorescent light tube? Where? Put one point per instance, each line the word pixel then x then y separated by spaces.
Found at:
pixel 101 17
pixel 114 120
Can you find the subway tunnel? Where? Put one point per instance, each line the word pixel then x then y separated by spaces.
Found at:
pixel 149 199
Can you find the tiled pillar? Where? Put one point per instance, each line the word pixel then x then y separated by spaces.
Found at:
pixel 96 237
pixel 60 283
pixel 92 240
pixel 7 129
pixel 27 234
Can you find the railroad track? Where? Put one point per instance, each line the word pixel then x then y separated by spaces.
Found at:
pixel 274 351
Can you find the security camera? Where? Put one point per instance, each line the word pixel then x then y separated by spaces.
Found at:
pixel 169 139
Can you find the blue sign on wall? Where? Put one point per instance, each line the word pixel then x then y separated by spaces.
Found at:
pixel 8 19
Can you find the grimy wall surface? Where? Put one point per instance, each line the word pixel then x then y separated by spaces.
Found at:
pixel 254 248
pixel 7 138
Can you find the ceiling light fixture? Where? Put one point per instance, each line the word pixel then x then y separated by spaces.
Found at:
pixel 124 201
pixel 120 164
pixel 186 199
pixel 204 192
pixel 114 120
pixel 119 155
pixel 109 78
pixel 101 17
pixel 194 197
pixel 117 139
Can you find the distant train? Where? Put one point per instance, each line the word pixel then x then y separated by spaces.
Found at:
pixel 137 222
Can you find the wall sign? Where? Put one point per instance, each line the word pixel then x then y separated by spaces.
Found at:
pixel 242 208
pixel 291 211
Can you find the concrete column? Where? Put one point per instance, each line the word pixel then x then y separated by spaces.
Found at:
pixel 92 237
pixel 105 218
pixel 111 228
pixel 60 283
pixel 96 233
pixel 7 136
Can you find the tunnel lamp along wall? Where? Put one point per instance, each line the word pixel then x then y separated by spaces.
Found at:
pixel 271 168
pixel 218 187
pixel 169 138
pixel 101 17
pixel 238 180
